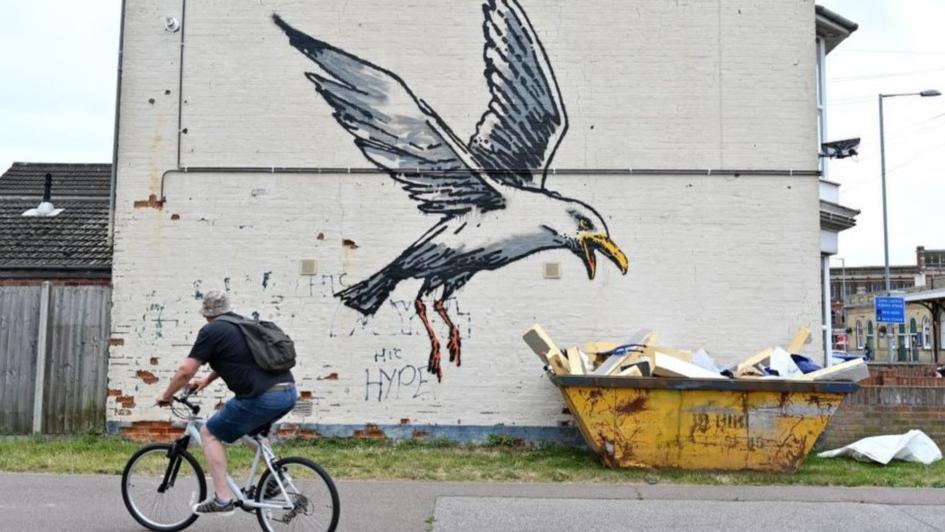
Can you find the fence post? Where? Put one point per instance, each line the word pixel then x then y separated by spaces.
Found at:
pixel 41 343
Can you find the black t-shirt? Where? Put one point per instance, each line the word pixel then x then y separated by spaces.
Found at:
pixel 222 345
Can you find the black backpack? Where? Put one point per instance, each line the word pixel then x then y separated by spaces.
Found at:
pixel 272 349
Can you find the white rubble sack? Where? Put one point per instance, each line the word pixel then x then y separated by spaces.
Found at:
pixel 782 362
pixel 702 359
pixel 913 446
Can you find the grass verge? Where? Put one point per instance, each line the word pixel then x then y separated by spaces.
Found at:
pixel 437 460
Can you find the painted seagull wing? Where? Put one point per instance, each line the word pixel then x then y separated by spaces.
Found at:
pixel 397 131
pixel 526 119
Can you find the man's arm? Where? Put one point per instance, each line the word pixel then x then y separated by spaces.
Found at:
pixel 188 368
pixel 200 384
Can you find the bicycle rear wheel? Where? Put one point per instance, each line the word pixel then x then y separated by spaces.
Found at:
pixel 312 492
pixel 145 474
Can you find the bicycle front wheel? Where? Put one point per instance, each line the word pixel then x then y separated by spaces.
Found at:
pixel 160 490
pixel 311 492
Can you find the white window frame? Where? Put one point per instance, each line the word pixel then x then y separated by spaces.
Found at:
pixel 941 332
pixel 926 333
pixel 821 97
pixel 860 343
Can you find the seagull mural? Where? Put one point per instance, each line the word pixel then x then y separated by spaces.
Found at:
pixel 489 193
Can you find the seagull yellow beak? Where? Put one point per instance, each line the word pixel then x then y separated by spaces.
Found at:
pixel 600 241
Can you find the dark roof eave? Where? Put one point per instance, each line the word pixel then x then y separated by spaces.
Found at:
pixel 836 217
pixel 55 273
pixel 833 28
pixel 835 224
pixel 52 267
pixel 837 19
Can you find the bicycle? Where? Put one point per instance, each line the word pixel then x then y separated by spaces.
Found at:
pixel 161 483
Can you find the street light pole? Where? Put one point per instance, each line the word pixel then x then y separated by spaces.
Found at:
pixel 882 159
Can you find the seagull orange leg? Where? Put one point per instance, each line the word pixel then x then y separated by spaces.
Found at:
pixel 454 343
pixel 433 365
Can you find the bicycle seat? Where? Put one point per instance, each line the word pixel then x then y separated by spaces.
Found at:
pixel 262 431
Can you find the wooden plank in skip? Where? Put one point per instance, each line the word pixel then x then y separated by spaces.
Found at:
pixel 575 361
pixel 754 361
pixel 637 368
pixel 540 343
pixel 801 338
pixel 558 363
pixel 613 362
pixel 667 366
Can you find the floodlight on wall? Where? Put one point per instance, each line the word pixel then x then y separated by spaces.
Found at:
pixel 171 24
pixel 840 149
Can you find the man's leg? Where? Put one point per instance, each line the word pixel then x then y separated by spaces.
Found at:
pixel 216 459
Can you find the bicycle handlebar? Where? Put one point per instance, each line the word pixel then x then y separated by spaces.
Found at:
pixel 184 400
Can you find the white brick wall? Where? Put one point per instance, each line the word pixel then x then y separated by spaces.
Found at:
pixel 729 263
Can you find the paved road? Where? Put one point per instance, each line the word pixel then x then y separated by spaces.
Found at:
pixel 47 502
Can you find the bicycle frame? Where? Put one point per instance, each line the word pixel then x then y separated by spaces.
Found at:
pixel 263 453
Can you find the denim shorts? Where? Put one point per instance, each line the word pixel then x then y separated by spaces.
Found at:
pixel 239 417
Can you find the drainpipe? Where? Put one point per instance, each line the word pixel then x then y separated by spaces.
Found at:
pixel 828 319
pixel 114 177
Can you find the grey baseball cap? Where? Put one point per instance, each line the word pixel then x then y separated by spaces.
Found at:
pixel 215 303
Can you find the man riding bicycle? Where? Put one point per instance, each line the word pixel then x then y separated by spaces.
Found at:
pixel 262 397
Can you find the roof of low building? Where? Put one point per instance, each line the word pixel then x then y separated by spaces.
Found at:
pixel 73 243
pixel 69 180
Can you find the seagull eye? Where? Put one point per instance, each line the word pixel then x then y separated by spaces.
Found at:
pixel 585 224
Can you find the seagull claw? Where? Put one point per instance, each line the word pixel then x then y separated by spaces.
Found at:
pixel 433 364
pixel 454 343
pixel 454 347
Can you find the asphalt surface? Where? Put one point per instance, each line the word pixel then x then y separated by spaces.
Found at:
pixel 87 502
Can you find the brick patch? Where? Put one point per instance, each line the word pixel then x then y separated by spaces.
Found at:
pixel 126 401
pixel 152 431
pixel 370 432
pixel 294 431
pixel 151 203
pixel 146 376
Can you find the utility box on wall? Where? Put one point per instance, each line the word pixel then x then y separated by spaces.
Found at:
pixel 398 201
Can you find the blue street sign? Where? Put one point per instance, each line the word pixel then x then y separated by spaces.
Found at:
pixel 890 309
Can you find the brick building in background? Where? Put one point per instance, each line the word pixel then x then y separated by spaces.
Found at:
pixel 854 288
pixel 693 132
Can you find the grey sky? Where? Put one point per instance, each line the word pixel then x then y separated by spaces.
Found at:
pixel 58 70
pixel 899 47
pixel 60 58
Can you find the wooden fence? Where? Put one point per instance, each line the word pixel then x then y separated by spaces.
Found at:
pixel 53 358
